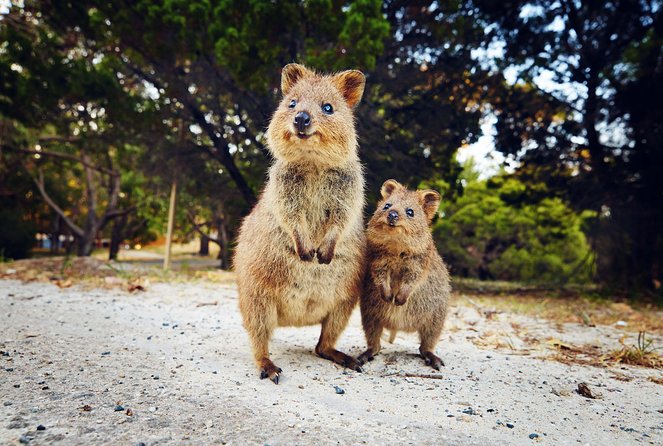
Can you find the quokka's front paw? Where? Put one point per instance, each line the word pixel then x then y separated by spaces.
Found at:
pixel 326 252
pixel 325 257
pixel 306 253
pixel 401 297
pixel 388 298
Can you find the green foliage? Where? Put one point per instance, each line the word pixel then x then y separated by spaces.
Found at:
pixel 187 97
pixel 496 231
pixel 588 99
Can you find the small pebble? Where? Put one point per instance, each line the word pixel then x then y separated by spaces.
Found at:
pixel 7 403
pixel 152 409
pixel 119 408
pixel 509 425
pixel 41 427
pixel 339 391
pixel 533 436
pixel 105 353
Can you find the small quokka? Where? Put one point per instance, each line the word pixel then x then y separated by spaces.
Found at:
pixel 407 284
pixel 300 253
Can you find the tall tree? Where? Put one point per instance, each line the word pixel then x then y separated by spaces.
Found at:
pixel 579 57
pixel 59 104
pixel 215 64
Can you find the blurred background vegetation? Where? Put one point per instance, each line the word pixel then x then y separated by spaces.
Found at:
pixel 104 104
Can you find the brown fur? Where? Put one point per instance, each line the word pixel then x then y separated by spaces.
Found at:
pixel 407 285
pixel 311 207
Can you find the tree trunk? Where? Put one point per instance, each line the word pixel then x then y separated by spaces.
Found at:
pixel 55 234
pixel 644 234
pixel 85 244
pixel 204 246
pixel 224 252
pixel 117 237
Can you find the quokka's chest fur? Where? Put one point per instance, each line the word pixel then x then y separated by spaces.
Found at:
pixel 316 198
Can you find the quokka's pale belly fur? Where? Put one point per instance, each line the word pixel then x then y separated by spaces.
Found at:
pixel 312 290
pixel 307 291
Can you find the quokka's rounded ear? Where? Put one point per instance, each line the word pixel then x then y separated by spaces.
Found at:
pixel 291 74
pixel 389 186
pixel 430 201
pixel 351 85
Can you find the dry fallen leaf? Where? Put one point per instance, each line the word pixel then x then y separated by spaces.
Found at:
pixel 63 283
pixel 559 344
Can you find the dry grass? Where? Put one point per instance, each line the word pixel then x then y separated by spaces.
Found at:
pixel 91 272
pixel 643 353
pixel 576 309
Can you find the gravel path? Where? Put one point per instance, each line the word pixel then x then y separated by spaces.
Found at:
pixel 168 366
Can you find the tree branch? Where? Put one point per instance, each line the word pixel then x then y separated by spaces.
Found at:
pixel 39 181
pixel 114 214
pixel 197 227
pixel 62 156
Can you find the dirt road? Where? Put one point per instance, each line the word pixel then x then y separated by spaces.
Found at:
pixel 172 366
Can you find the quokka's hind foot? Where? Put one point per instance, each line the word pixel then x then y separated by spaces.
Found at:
pixel 269 370
pixel 368 355
pixel 340 358
pixel 432 360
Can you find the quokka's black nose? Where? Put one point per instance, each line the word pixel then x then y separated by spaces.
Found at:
pixel 392 216
pixel 302 121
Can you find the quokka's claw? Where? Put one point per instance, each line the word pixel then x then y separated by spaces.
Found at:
pixel 272 372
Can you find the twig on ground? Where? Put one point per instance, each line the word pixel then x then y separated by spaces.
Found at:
pixel 414 375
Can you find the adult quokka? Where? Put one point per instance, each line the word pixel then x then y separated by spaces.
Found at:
pixel 300 253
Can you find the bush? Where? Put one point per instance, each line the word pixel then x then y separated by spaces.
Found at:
pixel 499 229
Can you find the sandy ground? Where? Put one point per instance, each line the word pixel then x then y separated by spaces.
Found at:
pixel 177 361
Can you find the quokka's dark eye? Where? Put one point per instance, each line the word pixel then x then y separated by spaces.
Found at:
pixel 292 104
pixel 409 212
pixel 328 109
pixel 386 206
